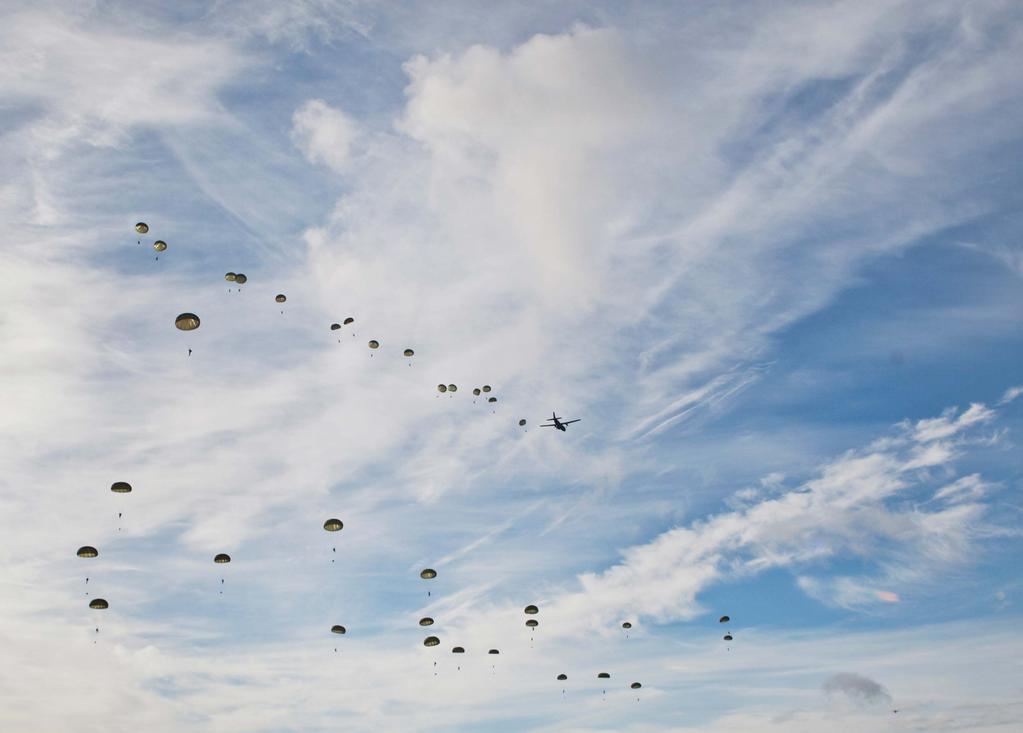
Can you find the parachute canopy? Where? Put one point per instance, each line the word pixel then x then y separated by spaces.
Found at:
pixel 452 388
pixel 492 399
pixel 724 620
pixel 187 322
pixel 98 603
pixel 338 629
pixel 159 245
pixel 426 621
pixel 335 326
pixel 87 551
pixel 240 279
pixel 532 623
pixel 626 625
pixel 635 685
pixel 522 422
pixel 222 558
pixel 486 387
pixel 409 352
pixel 728 637
pixel 431 641
pixel 428 574
pixel 120 487
pixel 458 650
pixel 531 609
pixel 142 228
pixel 349 320
pixel 603 676
pixel 230 277
pixel 442 388
pixel 562 676
pixel 374 344
pixel 281 297
pixel 494 651
pixel 476 391
pixel 333 525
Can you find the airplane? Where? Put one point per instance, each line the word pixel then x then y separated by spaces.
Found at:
pixel 558 424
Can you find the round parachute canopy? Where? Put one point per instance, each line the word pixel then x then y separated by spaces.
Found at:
pixel 337 629
pixel 349 320
pixel 531 609
pixel 458 650
pixel 626 625
pixel 724 620
pixel 635 685
pixel 426 621
pixel 522 422
pixel 333 525
pixel 230 276
pixel 98 603
pixel 409 352
pixel 222 558
pixel 492 399
pixel 442 388
pixel 728 637
pixel 494 651
pixel 87 551
pixel 603 676
pixel 240 279
pixel 428 574
pixel 142 228
pixel 452 388
pixel 374 344
pixel 486 387
pixel 335 326
pixel 562 677
pixel 476 391
pixel 120 487
pixel 431 641
pixel 532 623
pixel 187 322
pixel 281 297
pixel 159 245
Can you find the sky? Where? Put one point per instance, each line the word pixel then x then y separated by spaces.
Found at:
pixel 770 255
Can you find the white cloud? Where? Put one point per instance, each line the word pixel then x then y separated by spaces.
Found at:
pixel 1010 394
pixel 323 133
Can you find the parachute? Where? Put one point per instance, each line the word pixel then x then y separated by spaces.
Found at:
pixel 333 525
pixel 442 388
pixel 603 676
pixel 492 399
pixel 426 621
pixel 335 326
pixel 87 551
pixel 531 609
pixel 562 677
pixel 99 603
pixel 428 574
pixel 187 322
pixel 240 279
pixel 230 277
pixel 532 623
pixel 121 487
pixel 222 558
pixel 452 388
pixel 724 620
pixel 281 297
pixel 338 629
pixel 431 641
pixel 494 651
pixel 635 685
pixel 476 392
pixel 374 344
pixel 349 320
pixel 728 637
pixel 142 228
pixel 409 352
pixel 159 245
pixel 458 650
pixel 486 387
pixel 626 625
pixel 522 423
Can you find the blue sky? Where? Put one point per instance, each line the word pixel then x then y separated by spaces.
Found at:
pixel 769 253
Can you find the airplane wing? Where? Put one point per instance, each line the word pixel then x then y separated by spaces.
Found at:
pixel 569 422
pixel 548 426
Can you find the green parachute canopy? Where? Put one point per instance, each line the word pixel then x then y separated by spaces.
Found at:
pixel 635 685
pixel 159 245
pixel 409 352
pixel 431 641
pixel 337 629
pixel 222 558
pixel 280 297
pixel 121 487
pixel 426 621
pixel 531 609
pixel 187 322
pixel 88 551
pixel 99 603
pixel 428 574
pixel 458 650
pixel 333 525
pixel 230 277
pixel 603 676
pixel 240 279
pixel 142 228
pixel 374 344
pixel 563 677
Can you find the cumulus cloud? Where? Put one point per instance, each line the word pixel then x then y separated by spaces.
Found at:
pixel 323 133
pixel 856 687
